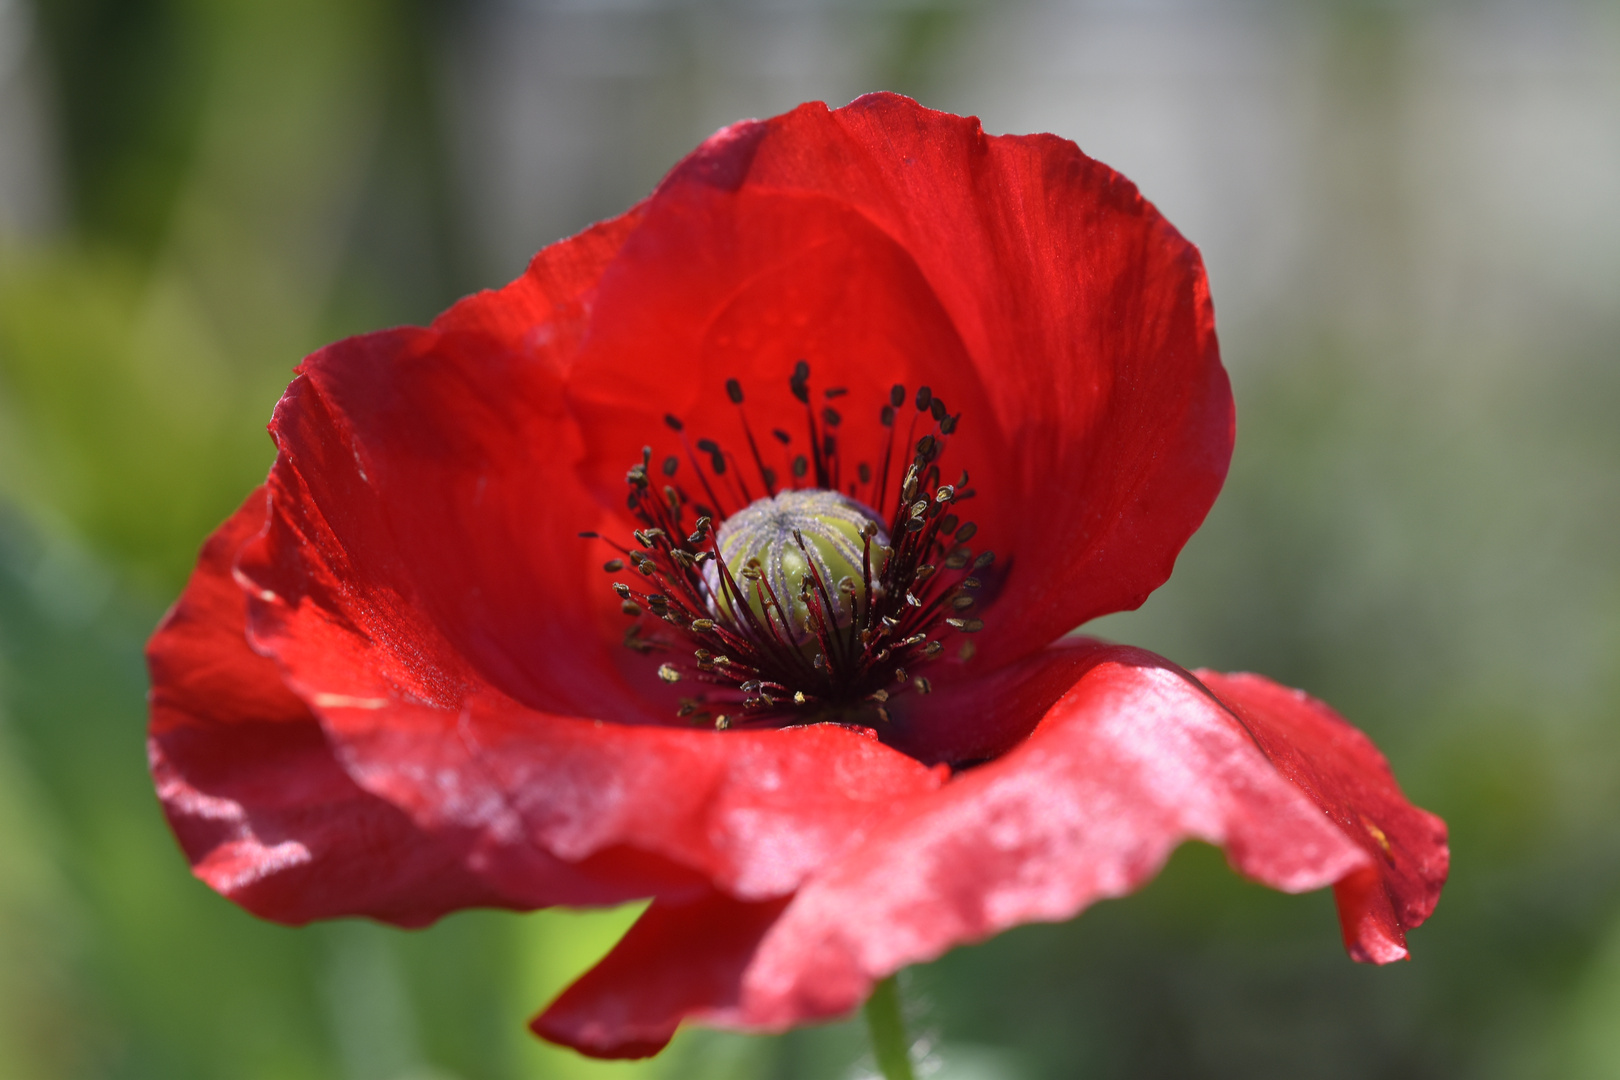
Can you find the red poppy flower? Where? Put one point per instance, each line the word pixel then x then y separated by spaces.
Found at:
pixel 400 683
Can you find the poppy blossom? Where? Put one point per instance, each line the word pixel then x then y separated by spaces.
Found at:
pixel 726 558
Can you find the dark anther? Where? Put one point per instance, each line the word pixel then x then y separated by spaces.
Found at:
pixel 703 626
pixel 587 536
pixel 613 566
pixel 769 475
pixel 835 392
pixel 967 626
pixel 925 446
pixel 922 572
pixel 717 462
pixel 801 371
pixel 971 583
pixel 897 396
pixel 734 391
pixel 708 446
pixel 961 603
pixel 829 415
pixel 920 682
pixel 919 508
pixel 933 649
pixel 799 384
pixel 800 467
pixel 864 471
pixel 924 397
pixel 915 524
pixel 984 560
pixel 900 674
pixel 673 421
pixel 937 408
pixel 966 532
pixel 944 494
pixel 948 425
pixel 948 524
pixel 622 589
pixel 784 438
pixel 629 608
pixel 879 696
pixel 886 417
pixel 671 463
pixel 956 560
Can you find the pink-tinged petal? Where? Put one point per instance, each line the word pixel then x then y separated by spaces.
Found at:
pixel 679 960
pixel 1134 759
pixel 1030 286
pixel 1343 773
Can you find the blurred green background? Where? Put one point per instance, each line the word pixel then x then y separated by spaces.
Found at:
pixel 1411 216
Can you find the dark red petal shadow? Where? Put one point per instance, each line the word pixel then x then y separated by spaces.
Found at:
pixel 1343 773
pixel 1031 286
pixel 1134 759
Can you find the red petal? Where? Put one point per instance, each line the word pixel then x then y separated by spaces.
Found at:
pixel 1030 286
pixel 425 497
pixel 1344 774
pixel 1135 758
pixel 249 784
pixel 493 805
pixel 678 960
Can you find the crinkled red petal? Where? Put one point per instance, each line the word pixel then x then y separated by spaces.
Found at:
pixel 1344 774
pixel 1136 757
pixel 503 807
pixel 1031 287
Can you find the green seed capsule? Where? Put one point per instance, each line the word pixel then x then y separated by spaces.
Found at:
pixel 782 538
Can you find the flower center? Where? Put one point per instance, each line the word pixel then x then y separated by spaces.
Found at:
pixel 810 603
pixel 781 538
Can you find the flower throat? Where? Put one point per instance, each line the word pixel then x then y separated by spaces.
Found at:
pixel 808 603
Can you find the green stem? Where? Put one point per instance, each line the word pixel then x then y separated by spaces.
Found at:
pixel 889 1043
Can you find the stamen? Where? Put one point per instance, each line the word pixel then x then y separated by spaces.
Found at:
pixel 805 604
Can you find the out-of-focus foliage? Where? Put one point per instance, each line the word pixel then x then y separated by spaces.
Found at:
pixel 1410 217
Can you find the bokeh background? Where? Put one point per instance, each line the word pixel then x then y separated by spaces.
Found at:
pixel 1411 218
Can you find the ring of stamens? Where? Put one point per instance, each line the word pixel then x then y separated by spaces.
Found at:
pixel 835 649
